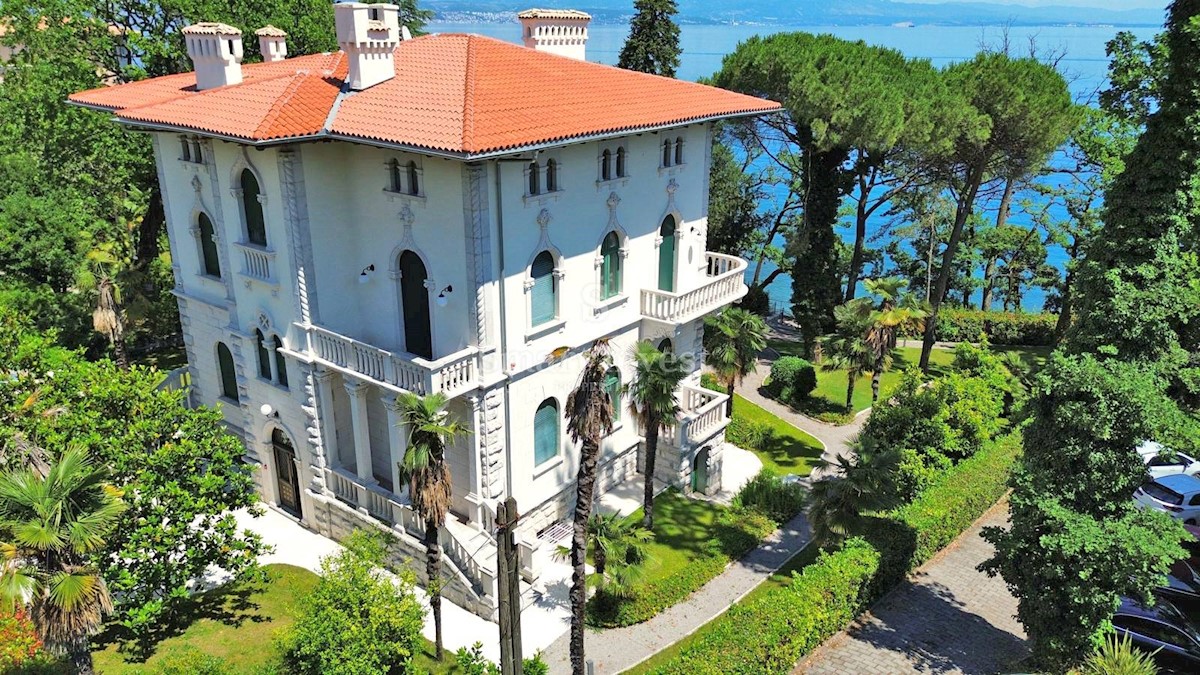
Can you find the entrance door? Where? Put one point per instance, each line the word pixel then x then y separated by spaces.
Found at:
pixel 666 255
pixel 700 472
pixel 287 482
pixel 415 299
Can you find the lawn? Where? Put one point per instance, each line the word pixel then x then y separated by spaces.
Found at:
pixel 234 623
pixel 789 450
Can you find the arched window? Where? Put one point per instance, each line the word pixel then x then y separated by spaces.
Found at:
pixel 551 176
pixel 256 227
pixel 679 151
pixel 394 182
pixel 620 162
pixel 208 247
pixel 606 165
pixel 228 375
pixel 666 153
pixel 186 148
pixel 612 385
pixel 545 432
pixel 280 362
pixel 544 295
pixel 264 355
pixel 610 267
pixel 535 186
pixel 197 151
pixel 666 255
pixel 666 346
pixel 414 180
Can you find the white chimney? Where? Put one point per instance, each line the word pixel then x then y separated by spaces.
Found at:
pixel 368 34
pixel 558 31
pixel 216 53
pixel 272 42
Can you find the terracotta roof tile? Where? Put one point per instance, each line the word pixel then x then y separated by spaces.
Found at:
pixel 463 94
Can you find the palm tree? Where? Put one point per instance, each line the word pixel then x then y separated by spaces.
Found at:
pixel 49 528
pixel 589 419
pixel 847 349
pixel 656 378
pixel 618 549
pixel 897 311
pixel 108 317
pixel 732 341
pixel 425 470
pixel 852 485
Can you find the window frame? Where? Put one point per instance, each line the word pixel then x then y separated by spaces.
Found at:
pixel 209 245
pixel 550 278
pixel 281 376
pixel 263 356
pixel 226 379
pixel 667 153
pixel 622 162
pixel 613 385
pixel 533 179
pixel 606 165
pixel 552 404
pixel 678 151
pixel 612 273
pixel 252 206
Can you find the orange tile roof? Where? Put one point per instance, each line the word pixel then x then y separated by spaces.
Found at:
pixel 466 95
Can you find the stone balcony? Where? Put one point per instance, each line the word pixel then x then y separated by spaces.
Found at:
pixel 724 283
pixel 702 417
pixel 452 375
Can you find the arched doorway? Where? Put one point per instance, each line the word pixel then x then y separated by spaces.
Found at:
pixel 700 472
pixel 666 346
pixel 666 255
pixel 287 479
pixel 414 298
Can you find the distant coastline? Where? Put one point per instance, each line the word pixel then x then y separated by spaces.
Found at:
pixel 609 19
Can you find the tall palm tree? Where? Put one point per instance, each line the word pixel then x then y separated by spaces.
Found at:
pixel 50 525
pixel 425 470
pixel 851 485
pixel 732 340
pixel 618 549
pixel 99 276
pixel 656 378
pixel 847 349
pixel 589 419
pixel 897 311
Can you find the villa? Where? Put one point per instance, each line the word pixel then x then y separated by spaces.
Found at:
pixel 443 214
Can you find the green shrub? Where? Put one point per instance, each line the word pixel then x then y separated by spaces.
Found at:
pixel 192 661
pixel 748 434
pixel 769 495
pixel 1118 656
pixel 774 630
pixel 1002 328
pixel 792 379
pixel 710 382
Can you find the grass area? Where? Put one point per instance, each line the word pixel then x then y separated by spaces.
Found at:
pixel 234 623
pixel 165 360
pixel 788 450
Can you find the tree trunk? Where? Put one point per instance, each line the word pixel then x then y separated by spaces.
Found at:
pixel 965 206
pixel 79 654
pixel 433 571
pixel 989 277
pixel 120 349
pixel 652 426
pixel 989 272
pixel 149 230
pixel 851 380
pixel 585 484
pixel 729 404
pixel 860 238
pixel 601 560
pixel 875 378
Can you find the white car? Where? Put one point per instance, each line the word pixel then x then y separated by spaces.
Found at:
pixel 1163 462
pixel 1178 495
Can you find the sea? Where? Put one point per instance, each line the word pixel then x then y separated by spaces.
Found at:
pixel 1078 49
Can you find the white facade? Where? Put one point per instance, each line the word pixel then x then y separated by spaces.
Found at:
pixel 339 220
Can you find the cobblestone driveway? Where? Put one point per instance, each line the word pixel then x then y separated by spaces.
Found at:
pixel 947 618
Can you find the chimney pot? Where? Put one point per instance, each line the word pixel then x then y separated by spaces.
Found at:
pixel 557 31
pixel 272 42
pixel 369 35
pixel 216 53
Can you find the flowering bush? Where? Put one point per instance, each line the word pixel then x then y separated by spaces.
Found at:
pixel 18 640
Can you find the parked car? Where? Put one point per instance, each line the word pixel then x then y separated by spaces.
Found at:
pixel 1162 630
pixel 1177 494
pixel 1161 461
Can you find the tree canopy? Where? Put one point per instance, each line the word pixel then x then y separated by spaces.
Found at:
pixel 653 42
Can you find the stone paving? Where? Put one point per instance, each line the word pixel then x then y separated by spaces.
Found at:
pixel 946 618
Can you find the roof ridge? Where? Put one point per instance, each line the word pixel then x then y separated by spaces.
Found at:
pixel 298 80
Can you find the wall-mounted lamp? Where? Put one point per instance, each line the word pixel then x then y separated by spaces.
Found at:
pixel 365 275
pixel 442 300
pixel 268 411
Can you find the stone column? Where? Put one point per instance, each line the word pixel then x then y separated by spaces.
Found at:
pixel 397 441
pixel 328 423
pixel 362 433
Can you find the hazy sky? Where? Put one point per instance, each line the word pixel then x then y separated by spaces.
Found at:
pixel 1109 4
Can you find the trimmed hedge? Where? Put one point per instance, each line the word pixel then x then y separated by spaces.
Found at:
pixel 1018 329
pixel 792 379
pixel 773 631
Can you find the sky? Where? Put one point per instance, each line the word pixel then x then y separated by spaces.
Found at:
pixel 1106 4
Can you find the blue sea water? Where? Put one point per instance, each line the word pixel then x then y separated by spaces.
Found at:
pixel 1080 50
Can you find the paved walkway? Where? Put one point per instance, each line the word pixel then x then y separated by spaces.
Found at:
pixel 946 618
pixel 617 649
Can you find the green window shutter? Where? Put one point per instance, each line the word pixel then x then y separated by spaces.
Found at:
pixel 666 256
pixel 280 362
pixel 264 356
pixel 545 432
pixel 256 227
pixel 208 248
pixel 228 375
pixel 612 384
pixel 544 302
pixel 610 251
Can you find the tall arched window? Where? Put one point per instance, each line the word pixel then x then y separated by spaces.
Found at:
pixel 414 179
pixel 256 227
pixel 186 147
pixel 666 255
pixel 545 432
pixel 544 295
pixel 551 176
pixel 612 385
pixel 280 362
pixel 208 247
pixel 395 184
pixel 264 355
pixel 535 184
pixel 229 387
pixel 620 162
pixel 606 165
pixel 666 160
pixel 666 346
pixel 197 151
pixel 679 150
pixel 610 266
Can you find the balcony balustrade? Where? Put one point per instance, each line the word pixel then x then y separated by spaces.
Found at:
pixel 453 375
pixel 724 283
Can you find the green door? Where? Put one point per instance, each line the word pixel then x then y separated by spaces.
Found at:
pixel 666 256
pixel 415 297
pixel 700 472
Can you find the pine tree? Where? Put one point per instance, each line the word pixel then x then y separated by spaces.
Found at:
pixel 653 42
